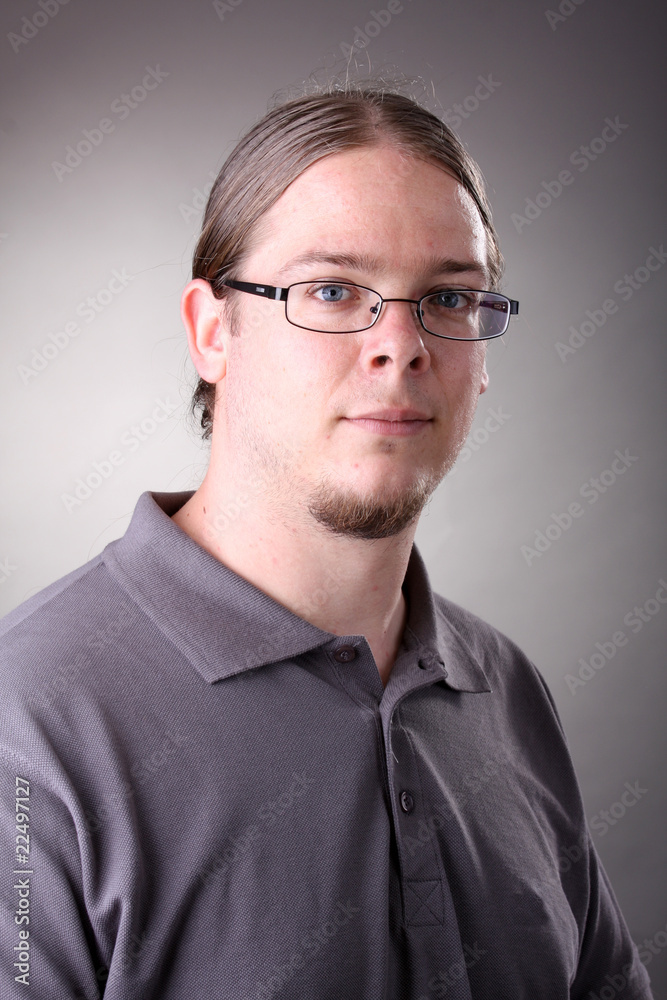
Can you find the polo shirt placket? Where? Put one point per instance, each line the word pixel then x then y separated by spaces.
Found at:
pixel 427 911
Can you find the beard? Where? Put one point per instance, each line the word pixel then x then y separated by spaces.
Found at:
pixel 373 516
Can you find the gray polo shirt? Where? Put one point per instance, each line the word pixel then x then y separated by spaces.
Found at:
pixel 203 795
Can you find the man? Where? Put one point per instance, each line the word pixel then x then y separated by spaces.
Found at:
pixel 247 752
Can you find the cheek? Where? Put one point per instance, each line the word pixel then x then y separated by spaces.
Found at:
pixel 461 370
pixel 281 376
pixel 313 364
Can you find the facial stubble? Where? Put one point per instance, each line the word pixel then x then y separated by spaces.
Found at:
pixel 380 514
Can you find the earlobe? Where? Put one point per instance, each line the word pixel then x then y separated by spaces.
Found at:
pixel 202 317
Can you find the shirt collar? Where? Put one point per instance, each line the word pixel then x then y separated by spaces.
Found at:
pixel 439 632
pixel 224 625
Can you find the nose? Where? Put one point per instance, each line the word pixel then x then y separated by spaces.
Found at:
pixel 397 338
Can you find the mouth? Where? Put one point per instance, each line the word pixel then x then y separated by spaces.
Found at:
pixel 392 422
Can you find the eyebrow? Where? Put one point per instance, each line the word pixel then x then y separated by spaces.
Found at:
pixel 364 262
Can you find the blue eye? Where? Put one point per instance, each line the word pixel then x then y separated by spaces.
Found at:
pixel 331 293
pixel 449 300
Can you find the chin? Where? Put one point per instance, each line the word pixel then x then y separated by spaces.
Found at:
pixel 380 510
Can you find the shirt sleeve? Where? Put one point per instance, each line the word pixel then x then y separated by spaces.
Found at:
pixel 608 959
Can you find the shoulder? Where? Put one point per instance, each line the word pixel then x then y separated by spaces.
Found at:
pixel 45 597
pixel 62 631
pixel 482 639
pixel 507 668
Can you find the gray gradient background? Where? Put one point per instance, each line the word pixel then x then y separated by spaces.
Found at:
pixel 125 206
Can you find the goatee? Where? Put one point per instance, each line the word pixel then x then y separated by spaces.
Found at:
pixel 375 515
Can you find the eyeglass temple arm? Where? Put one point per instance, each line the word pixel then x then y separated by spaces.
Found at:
pixel 514 307
pixel 268 291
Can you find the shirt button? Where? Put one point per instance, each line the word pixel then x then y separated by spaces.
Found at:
pixel 407 802
pixel 344 654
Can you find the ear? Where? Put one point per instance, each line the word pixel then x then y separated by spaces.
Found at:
pixel 203 319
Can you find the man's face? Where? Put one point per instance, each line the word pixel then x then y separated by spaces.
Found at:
pixel 356 428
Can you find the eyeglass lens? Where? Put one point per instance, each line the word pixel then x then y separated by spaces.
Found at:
pixel 339 307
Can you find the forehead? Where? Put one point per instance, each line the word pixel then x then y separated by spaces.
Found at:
pixel 399 214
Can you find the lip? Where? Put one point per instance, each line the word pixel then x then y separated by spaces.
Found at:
pixel 392 414
pixel 394 423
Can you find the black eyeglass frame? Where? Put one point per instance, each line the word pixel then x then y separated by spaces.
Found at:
pixel 280 295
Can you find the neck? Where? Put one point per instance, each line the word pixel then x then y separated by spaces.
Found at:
pixel 341 584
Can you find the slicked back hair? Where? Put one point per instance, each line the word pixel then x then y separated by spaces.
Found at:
pixel 285 142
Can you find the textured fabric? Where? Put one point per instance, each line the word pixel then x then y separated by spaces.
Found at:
pixel 223 801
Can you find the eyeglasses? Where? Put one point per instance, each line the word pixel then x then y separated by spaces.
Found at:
pixel 341 307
